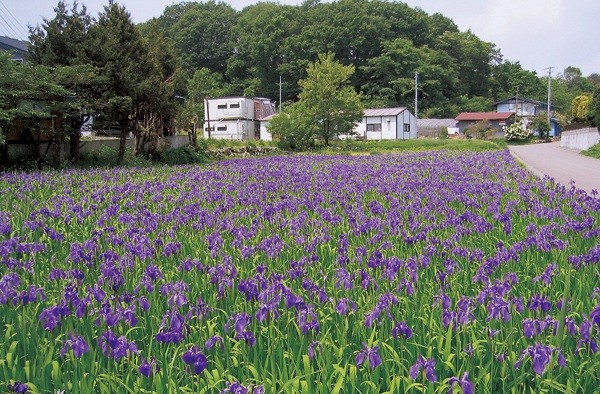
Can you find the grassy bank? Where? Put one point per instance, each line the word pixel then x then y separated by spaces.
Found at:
pixel 594 151
pixel 390 146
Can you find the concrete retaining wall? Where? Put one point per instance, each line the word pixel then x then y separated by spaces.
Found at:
pixel 581 139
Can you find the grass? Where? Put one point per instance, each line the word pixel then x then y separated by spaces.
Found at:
pixel 594 152
pixel 389 146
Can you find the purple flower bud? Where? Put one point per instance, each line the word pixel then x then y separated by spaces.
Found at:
pixel 148 368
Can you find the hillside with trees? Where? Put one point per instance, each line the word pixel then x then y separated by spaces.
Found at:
pixel 147 77
pixel 386 43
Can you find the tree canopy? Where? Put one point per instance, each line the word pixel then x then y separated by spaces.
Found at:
pixel 327 106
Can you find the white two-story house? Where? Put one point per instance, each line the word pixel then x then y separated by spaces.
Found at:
pixel 237 118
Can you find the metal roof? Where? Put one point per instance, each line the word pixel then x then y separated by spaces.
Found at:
pixel 384 111
pixel 512 99
pixel 14 43
pixel 436 123
pixel 484 116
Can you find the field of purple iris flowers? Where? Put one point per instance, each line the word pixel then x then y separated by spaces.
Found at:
pixel 429 271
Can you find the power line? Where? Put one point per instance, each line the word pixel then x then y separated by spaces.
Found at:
pixel 17 22
pixel 9 27
pixel 17 25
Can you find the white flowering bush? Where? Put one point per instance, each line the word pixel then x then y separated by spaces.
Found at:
pixel 516 132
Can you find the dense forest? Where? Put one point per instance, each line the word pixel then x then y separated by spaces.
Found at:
pixel 387 42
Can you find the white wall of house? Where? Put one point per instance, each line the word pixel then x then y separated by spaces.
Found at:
pixel 233 129
pixel 229 108
pixel 236 118
pixel 407 126
pixel 523 108
pixel 388 127
pixel 265 135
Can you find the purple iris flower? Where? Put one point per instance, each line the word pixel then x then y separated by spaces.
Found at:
pixel 540 357
pixel 77 344
pixel 539 302
pixel 368 355
pixel 239 322
pixel 213 342
pixel 238 388
pixel 312 347
pixel 428 366
pixel 51 317
pixel 149 368
pixel 17 387
pixel 595 316
pixel 401 328
pixel 465 384
pixel 469 350
pixel 173 328
pixel 344 306
pixel 116 347
pixel 547 275
pixel 195 360
pixel 307 320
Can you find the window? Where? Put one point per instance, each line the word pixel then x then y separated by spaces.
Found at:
pixel 407 127
pixel 236 105
pixel 222 106
pixel 374 127
pixel 221 128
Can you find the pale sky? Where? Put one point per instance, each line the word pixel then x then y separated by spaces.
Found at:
pixel 536 33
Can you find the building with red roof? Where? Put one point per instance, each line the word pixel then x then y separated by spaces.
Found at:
pixel 497 120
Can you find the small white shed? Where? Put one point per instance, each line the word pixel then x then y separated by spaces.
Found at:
pixel 387 124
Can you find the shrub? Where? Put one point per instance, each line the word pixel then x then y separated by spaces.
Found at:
pixel 481 130
pixel 443 133
pixel 182 155
pixel 516 132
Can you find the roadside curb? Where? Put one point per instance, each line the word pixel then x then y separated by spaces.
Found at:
pixel 529 168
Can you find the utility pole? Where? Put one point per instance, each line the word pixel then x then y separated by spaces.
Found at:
pixel 416 94
pixel 517 103
pixel 280 102
pixel 549 89
pixel 207 117
pixel 416 105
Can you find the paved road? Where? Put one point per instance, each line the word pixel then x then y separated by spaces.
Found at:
pixel 562 164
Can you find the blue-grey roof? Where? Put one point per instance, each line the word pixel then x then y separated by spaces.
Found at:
pixel 12 43
pixel 436 123
pixel 384 111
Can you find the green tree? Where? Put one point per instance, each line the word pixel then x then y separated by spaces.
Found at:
pixel 157 105
pixel 541 124
pixel 122 56
pixel 474 59
pixel 259 59
pixel 294 128
pixel 330 100
pixel 328 106
pixel 580 106
pixel 510 79
pixel 28 94
pixel 204 84
pixel 61 43
pixel 204 36
pixel 594 108
pixel 392 76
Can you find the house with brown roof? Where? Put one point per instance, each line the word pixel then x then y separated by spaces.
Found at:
pixel 497 120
